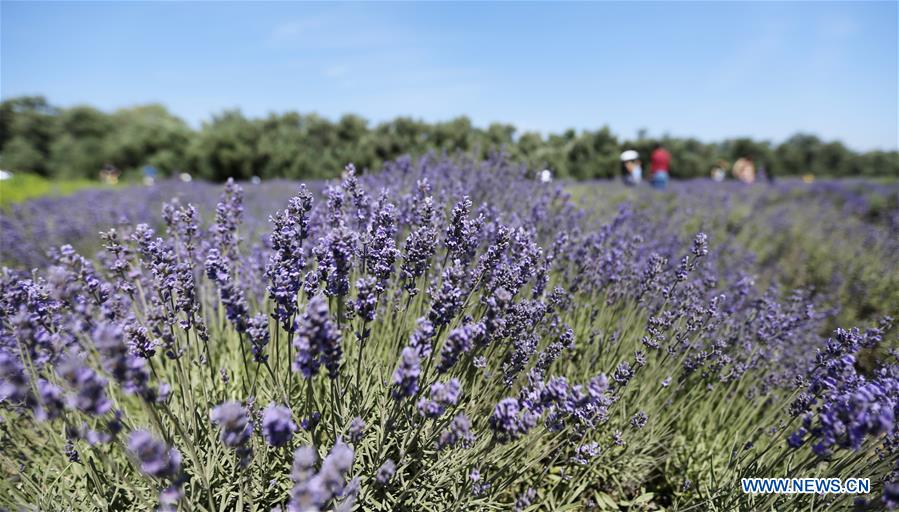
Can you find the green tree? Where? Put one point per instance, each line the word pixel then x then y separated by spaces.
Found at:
pixel 148 135
pixel 226 147
pixel 79 148
pixel 27 129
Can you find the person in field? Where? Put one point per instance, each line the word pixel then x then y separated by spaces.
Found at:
pixel 631 167
pixel 719 171
pixel 660 165
pixel 744 170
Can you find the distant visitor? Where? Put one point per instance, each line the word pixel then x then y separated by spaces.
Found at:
pixel 660 165
pixel 631 167
pixel 744 170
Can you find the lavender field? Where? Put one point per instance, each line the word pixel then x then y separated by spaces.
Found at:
pixel 449 334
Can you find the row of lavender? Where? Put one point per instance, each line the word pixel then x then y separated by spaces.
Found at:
pixel 835 237
pixel 444 334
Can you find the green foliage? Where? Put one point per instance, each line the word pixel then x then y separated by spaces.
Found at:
pixel 22 187
pixel 77 142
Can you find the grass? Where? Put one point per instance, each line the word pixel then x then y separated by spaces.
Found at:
pixel 22 187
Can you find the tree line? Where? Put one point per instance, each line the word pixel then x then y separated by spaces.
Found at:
pixel 38 137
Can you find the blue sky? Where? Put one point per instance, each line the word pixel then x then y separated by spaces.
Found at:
pixel 707 69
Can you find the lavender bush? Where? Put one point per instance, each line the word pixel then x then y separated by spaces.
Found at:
pixel 445 334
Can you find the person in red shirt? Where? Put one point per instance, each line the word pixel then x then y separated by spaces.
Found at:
pixel 659 166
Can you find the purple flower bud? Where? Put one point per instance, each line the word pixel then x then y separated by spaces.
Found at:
pixel 236 429
pixel 385 472
pixel 218 269
pixel 639 420
pixel 460 341
pixel 507 421
pixel 88 390
pixel 356 430
pixel 257 331
pixel 335 468
pixel 50 402
pixel 797 439
pixel 700 245
pixel 447 295
pixel 421 338
pixel 310 422
pixel 304 460
pixel 405 377
pixel 335 253
pixel 14 384
pixel 525 499
pixel 442 395
pixel 228 213
pixel 623 373
pixel 417 252
pixel 366 301
pixel 127 369
pixel 462 232
pixel 317 341
pixel 479 486
pixel 586 452
pixel 277 425
pixel 285 266
pixel 457 433
pixel 152 456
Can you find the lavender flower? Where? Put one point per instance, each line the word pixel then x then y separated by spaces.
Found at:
pixel 417 252
pixel 234 422
pixel 700 245
pixel 50 402
pixel 218 269
pixel 304 460
pixel 335 253
pixel 313 491
pixel 385 472
pixel 586 452
pixel 366 301
pixel 127 369
pixel 285 266
pixel 509 422
pixel 228 215
pixel 335 467
pixel 88 390
pixel 639 420
pixel 462 233
pixel 356 430
pixel 623 373
pixel 310 422
pixel 421 338
pixel 442 395
pixel 447 297
pixel 257 331
pixel 479 486
pixel 525 499
pixel 382 252
pixel 317 341
pixel 460 341
pixel 277 425
pixel 458 433
pixel 14 384
pixel 152 456
pixel 236 429
pixel 405 377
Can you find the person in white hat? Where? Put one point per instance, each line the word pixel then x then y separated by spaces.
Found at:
pixel 631 168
